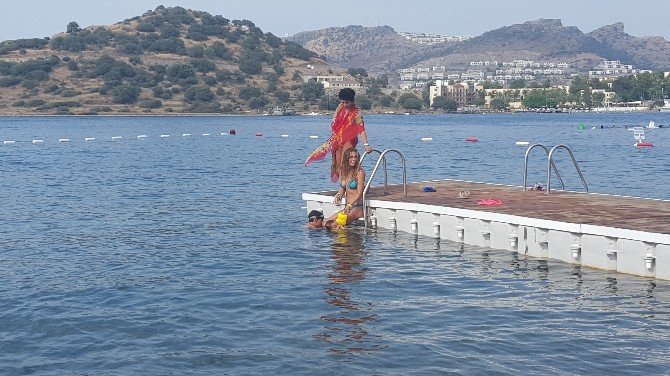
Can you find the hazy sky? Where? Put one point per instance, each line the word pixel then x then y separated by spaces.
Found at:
pixel 40 18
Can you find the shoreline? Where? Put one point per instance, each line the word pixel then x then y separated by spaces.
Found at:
pixel 8 115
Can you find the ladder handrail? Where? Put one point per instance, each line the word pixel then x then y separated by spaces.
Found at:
pixel 385 169
pixel 525 165
pixel 574 161
pixel 382 157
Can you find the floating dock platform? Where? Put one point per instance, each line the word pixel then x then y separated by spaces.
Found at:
pixel 619 233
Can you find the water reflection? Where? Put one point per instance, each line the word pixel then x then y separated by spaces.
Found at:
pixel 347 328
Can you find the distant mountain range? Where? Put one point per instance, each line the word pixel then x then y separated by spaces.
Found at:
pixel 383 50
pixel 175 60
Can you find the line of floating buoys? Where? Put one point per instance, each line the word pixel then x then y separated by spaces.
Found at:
pixel 142 136
pixel 472 139
pixel 426 139
pixel 522 143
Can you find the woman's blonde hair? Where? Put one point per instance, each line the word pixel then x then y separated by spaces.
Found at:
pixel 346 168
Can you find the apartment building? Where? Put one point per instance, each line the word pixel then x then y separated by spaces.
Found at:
pixel 463 93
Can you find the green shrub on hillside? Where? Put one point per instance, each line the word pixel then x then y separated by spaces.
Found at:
pixel 39 64
pixel 125 94
pixel 170 45
pixel 293 49
pixel 203 65
pixel 150 103
pixel 198 94
pixel 218 50
pixel 18 44
pixel 9 81
pixel 272 40
pixel 179 71
pixel 203 107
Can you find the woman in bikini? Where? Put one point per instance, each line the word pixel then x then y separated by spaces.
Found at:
pixel 352 184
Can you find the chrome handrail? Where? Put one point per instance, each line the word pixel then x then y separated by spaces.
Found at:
pixel 525 165
pixel 385 169
pixel 574 161
pixel 382 157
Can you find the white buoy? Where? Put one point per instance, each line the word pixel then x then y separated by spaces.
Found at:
pixel 116 137
pixel 38 141
pixel 9 142
pixel 165 135
pixel 313 136
pixel 522 143
pixel 185 134
pixel 426 139
pixel 142 136
pixel 63 140
pixel 89 139
pixel 284 135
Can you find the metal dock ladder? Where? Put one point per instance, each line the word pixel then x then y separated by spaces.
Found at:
pixel 382 159
pixel 551 165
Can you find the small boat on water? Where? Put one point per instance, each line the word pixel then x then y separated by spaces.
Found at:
pixel 666 106
pixel 638 134
pixel 282 111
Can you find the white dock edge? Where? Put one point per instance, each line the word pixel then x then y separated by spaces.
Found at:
pixel 626 251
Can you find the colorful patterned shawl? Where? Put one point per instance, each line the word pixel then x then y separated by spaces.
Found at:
pixel 346 126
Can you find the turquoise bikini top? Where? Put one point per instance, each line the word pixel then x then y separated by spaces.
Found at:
pixel 353 184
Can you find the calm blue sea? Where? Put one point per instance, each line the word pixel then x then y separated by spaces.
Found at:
pixel 188 255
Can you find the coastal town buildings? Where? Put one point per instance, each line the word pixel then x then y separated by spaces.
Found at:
pixel 432 39
pixel 614 68
pixel 333 81
pixel 489 70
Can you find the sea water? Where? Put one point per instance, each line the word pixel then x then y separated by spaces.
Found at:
pixel 189 254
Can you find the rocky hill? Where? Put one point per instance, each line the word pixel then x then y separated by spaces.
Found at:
pixel 382 50
pixel 377 49
pixel 652 52
pixel 167 60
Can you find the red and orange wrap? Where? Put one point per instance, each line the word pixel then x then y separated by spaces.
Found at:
pixel 346 126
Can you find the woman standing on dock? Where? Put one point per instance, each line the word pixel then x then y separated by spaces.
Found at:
pixel 347 124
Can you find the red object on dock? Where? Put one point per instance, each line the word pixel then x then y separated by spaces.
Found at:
pixel 472 139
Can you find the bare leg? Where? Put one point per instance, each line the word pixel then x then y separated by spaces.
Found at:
pixel 354 214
